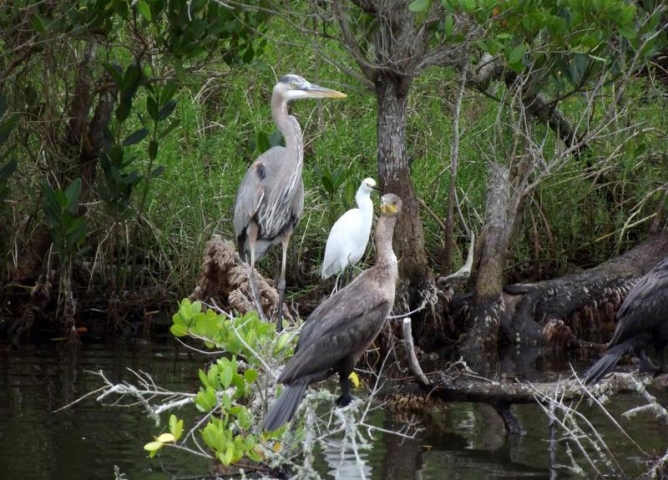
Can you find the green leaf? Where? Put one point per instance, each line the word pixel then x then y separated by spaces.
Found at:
pixel 175 426
pixel 226 376
pixel 153 446
pixel 152 108
pixel 179 330
pixel 203 378
pixel 419 5
pixel 250 375
pixel 144 10
pixel 152 149
pixel 167 92
pixel 7 126
pixel 627 32
pixel 517 54
pixel 72 193
pixel 229 454
pixel 166 438
pixel 135 137
pixel 282 342
pixel 166 110
pixel 449 25
pixel 7 170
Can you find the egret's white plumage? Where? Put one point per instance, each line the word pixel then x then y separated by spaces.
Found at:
pixel 349 236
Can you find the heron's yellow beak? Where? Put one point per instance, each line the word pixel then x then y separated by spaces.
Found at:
pixel 316 91
pixel 388 208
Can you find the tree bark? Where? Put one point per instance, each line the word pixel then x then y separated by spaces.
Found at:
pixel 487 301
pixel 394 174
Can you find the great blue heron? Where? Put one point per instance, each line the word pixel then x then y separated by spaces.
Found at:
pixel 270 199
pixel 338 332
pixel 349 236
pixel 642 321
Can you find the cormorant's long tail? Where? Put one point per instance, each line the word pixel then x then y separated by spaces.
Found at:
pixel 605 365
pixel 285 406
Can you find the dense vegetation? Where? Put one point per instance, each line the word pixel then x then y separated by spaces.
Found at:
pixel 125 131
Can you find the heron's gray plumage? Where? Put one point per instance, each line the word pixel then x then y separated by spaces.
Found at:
pixel 270 199
pixel 642 321
pixel 275 211
pixel 341 328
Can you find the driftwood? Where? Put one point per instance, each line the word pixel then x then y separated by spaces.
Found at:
pixel 584 301
pixel 224 277
pixel 501 395
pixel 460 384
pixel 564 310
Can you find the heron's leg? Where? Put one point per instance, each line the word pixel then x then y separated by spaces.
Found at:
pixel 255 291
pixel 281 282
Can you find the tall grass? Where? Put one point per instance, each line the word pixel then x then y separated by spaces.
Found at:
pixel 568 221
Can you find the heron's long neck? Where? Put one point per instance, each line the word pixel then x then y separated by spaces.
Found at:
pixel 384 232
pixel 292 132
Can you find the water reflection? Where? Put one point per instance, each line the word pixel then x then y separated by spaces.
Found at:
pixel 344 463
pixel 463 441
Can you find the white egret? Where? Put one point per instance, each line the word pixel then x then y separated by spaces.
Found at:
pixel 349 236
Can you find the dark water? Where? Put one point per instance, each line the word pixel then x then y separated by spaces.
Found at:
pixel 87 441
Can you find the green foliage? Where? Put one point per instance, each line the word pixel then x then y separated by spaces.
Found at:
pixel 6 172
pixel 242 336
pixel 564 44
pixel 229 382
pixel 94 84
pixel 175 433
pixel 68 229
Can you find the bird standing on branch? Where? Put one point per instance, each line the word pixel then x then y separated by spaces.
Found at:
pixel 270 199
pixel 642 321
pixel 349 236
pixel 341 328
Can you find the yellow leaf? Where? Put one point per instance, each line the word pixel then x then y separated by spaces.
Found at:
pixel 166 438
pixel 355 379
pixel 277 447
pixel 153 446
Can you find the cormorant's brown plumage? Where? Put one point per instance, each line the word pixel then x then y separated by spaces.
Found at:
pixel 342 327
pixel 642 321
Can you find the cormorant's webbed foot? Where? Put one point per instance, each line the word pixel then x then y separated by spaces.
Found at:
pixel 344 400
pixel 646 365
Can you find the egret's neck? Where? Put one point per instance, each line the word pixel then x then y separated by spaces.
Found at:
pixel 384 232
pixel 289 127
pixel 364 203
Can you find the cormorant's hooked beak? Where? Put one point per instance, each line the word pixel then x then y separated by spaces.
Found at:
pixel 388 208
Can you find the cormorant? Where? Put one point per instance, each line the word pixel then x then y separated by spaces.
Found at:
pixel 642 321
pixel 341 328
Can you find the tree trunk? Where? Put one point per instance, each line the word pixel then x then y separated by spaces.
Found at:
pixel 488 302
pixel 394 173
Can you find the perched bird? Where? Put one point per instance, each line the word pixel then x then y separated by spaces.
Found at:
pixel 642 321
pixel 270 199
pixel 341 328
pixel 349 236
